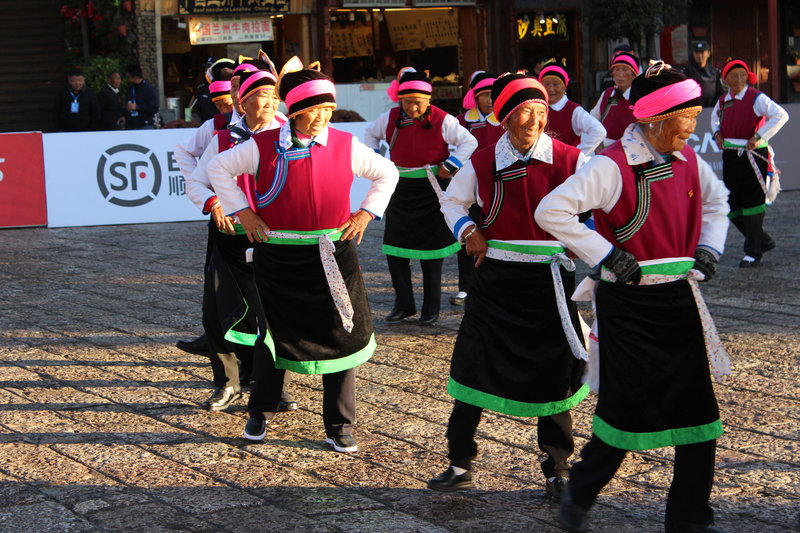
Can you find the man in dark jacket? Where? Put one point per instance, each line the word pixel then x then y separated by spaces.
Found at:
pixel 142 101
pixel 76 107
pixel 703 72
pixel 112 104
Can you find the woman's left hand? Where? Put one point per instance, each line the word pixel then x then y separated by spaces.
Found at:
pixel 355 225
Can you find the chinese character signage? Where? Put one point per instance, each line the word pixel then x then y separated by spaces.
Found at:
pixel 208 7
pixel 536 26
pixel 421 29
pixel 353 40
pixel 230 29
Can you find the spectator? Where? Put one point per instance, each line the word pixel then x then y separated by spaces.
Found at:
pixel 703 72
pixel 142 100
pixel 76 107
pixel 112 104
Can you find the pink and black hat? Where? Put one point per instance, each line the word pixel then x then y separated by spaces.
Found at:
pixel 303 89
pixel 626 59
pixel 510 91
pixel 480 82
pixel 663 92
pixel 410 84
pixel 252 82
pixel 554 71
pixel 220 90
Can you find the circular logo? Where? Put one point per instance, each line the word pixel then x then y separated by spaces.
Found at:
pixel 128 175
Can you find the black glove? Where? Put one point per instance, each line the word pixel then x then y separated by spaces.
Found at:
pixel 706 262
pixel 624 266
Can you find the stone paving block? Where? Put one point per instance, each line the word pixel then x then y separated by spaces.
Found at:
pixel 318 501
pixel 150 517
pixel 14 492
pixel 40 464
pixel 381 521
pixel 258 519
pixel 46 516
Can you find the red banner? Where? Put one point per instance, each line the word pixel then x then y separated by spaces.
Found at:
pixel 22 196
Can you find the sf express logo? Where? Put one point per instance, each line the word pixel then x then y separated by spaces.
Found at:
pixel 129 175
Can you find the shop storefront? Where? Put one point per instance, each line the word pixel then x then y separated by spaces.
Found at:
pixel 192 31
pixel 371 41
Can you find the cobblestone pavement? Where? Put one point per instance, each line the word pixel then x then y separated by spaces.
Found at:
pixel 101 425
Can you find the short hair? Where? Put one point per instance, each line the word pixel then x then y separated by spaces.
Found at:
pixel 74 71
pixel 112 73
pixel 134 70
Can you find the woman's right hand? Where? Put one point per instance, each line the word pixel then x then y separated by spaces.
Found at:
pixel 253 225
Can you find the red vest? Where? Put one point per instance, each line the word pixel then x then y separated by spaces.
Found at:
pixel 415 145
pixel 521 188
pixel 737 118
pixel 221 121
pixel 667 212
pixel 486 134
pixel 316 190
pixel 619 115
pixel 246 182
pixel 559 124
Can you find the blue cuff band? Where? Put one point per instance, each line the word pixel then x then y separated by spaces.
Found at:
pixel 460 224
pixel 371 213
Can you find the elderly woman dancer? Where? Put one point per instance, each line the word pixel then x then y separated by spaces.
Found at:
pixel 743 121
pixel 567 121
pixel 516 348
pixel 305 263
pixel 613 109
pixel 418 134
pixel 660 214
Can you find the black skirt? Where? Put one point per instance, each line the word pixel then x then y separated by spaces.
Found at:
pixel 415 226
pixel 511 354
pixel 655 383
pixel 305 333
pixel 231 289
pixel 746 195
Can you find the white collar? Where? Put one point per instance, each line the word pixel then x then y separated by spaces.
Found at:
pixel 506 155
pixel 638 150
pixel 738 95
pixel 626 95
pixel 285 137
pixel 116 91
pixel 558 106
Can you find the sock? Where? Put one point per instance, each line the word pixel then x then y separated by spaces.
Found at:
pixel 458 470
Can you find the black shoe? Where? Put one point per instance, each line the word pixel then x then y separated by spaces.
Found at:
pixel 672 526
pixel 572 517
pixel 749 262
pixel 398 315
pixel 428 320
pixel 256 428
pixel 448 481
pixel 342 443
pixel 458 299
pixel 223 397
pixel 555 486
pixel 198 346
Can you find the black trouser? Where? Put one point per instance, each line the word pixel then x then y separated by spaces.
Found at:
pixel 226 251
pixel 756 240
pixel 338 396
pixel 400 270
pixel 692 478
pixel 554 436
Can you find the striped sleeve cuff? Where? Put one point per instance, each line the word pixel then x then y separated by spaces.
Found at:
pixel 460 224
pixel 452 164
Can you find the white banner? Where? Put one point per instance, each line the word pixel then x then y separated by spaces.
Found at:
pixel 115 177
